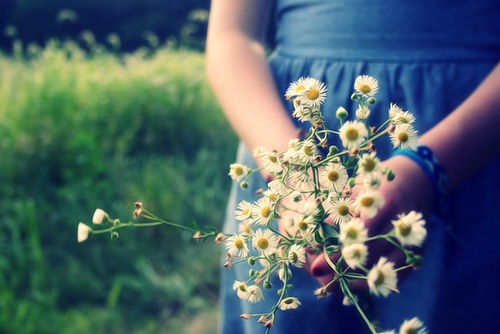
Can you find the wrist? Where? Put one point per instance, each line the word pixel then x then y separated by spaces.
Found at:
pixel 433 169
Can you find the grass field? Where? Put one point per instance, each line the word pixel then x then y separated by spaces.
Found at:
pixel 86 129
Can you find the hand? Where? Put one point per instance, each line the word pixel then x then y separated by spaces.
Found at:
pixel 410 190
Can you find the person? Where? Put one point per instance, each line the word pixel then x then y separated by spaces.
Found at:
pixel 438 59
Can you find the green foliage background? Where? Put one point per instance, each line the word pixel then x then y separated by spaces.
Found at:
pixel 81 130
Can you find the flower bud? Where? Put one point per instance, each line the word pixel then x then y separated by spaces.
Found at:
pixel 244 185
pixel 100 216
pixel 267 284
pixel 389 174
pixel 371 100
pixel 251 261
pixel 355 97
pixel 332 150
pixel 351 182
pixel 341 113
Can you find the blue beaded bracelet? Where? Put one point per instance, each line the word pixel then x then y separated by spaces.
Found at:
pixel 431 166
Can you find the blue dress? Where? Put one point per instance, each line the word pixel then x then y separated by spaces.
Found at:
pixel 428 57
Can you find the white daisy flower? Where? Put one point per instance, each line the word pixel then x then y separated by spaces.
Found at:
pixel 262 211
pixel 254 294
pixel 289 303
pixel 238 171
pixel 241 290
pixel 83 232
pixel 301 181
pixel 413 326
pixel 353 133
pixel 297 255
pixel 355 255
pixel 276 190
pixel 304 223
pixel 296 88
pixel 244 211
pixel 100 216
pixel 333 177
pixel 270 160
pixel 398 116
pixel 314 94
pixel 342 209
pixel 310 207
pixel 245 228
pixel 405 137
pixel 308 151
pixel 372 181
pixel 409 229
pixel 291 154
pixel 369 163
pixel 265 241
pixel 362 113
pixel 353 232
pixel 382 278
pixel 237 246
pixel 394 109
pixel 366 85
pixel 369 202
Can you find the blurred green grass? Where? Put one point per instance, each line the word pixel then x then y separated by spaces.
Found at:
pixel 87 129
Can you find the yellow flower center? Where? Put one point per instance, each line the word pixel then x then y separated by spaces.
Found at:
pixel 238 243
pixel 299 88
pixel 263 243
pixel 265 211
pixel 352 134
pixel 272 158
pixel 309 149
pixel 352 233
pixel 367 202
pixel 365 89
pixel 273 196
pixel 403 137
pixel 247 228
pixel 243 288
pixel 294 257
pixel 404 229
pixel 238 171
pixel 343 210
pixel 303 225
pixel 356 254
pixel 288 301
pixel 369 165
pixel 380 278
pixel 312 94
pixel 333 176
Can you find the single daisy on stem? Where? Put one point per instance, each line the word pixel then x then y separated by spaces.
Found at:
pixel 366 85
pixel 237 246
pixel 382 278
pixel 405 137
pixel 265 242
pixel 333 177
pixel 409 229
pixel 353 134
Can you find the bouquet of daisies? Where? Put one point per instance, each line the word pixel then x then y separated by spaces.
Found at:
pixel 318 193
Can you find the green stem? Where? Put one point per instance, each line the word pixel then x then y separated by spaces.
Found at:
pixel 347 291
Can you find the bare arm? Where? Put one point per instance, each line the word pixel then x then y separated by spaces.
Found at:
pixel 470 136
pixel 239 75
